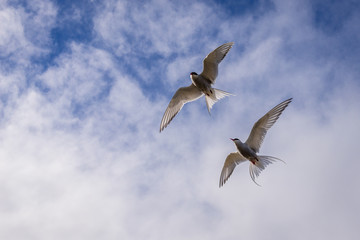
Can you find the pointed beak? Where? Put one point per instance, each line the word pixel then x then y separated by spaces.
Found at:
pixel 231 139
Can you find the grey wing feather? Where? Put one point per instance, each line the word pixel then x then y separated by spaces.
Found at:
pixel 213 59
pixel 231 161
pixel 182 95
pixel 261 127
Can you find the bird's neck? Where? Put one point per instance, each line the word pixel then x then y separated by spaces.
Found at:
pixel 239 144
pixel 193 79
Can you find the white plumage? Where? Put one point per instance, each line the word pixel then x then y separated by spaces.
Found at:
pixel 201 85
pixel 249 149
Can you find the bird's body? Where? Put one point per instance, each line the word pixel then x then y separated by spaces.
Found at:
pixel 248 150
pixel 201 85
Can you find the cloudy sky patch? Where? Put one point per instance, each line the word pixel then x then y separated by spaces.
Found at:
pixel 83 87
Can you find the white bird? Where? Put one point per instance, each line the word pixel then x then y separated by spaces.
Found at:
pixel 249 149
pixel 201 84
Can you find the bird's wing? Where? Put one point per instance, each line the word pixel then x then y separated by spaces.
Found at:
pixel 212 61
pixel 182 95
pixel 261 127
pixel 231 161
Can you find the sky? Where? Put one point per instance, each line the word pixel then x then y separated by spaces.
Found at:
pixel 84 85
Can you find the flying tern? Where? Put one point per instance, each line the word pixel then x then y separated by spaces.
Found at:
pixel 248 150
pixel 201 85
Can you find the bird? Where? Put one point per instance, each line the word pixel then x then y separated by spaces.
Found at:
pixel 201 85
pixel 248 150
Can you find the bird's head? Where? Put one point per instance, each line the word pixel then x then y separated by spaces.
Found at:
pixel 235 140
pixel 193 74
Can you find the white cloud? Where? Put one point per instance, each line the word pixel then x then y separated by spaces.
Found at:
pixel 24 35
pixel 12 31
pixel 148 29
pixel 25 32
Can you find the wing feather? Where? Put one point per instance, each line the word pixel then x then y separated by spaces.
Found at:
pixel 213 59
pixel 231 161
pixel 182 95
pixel 261 127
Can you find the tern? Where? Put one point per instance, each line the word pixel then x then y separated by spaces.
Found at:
pixel 249 149
pixel 201 85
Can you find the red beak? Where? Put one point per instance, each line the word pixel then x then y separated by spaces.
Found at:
pixel 231 139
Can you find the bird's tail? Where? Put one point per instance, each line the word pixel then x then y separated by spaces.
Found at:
pixel 214 96
pixel 255 169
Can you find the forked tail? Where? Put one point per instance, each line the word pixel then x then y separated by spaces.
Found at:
pixel 215 96
pixel 255 169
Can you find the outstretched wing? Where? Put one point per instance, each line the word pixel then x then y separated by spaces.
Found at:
pixel 212 61
pixel 182 95
pixel 231 161
pixel 261 127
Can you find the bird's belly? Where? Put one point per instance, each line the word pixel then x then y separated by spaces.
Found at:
pixel 203 86
pixel 249 154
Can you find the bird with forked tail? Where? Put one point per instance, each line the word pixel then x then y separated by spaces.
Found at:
pixel 248 150
pixel 201 85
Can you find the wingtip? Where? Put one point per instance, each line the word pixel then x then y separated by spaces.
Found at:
pixel 221 183
pixel 229 45
pixel 161 128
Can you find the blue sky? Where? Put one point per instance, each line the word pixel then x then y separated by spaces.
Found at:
pixel 84 85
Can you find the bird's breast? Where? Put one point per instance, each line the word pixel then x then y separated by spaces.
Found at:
pixel 203 84
pixel 247 152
